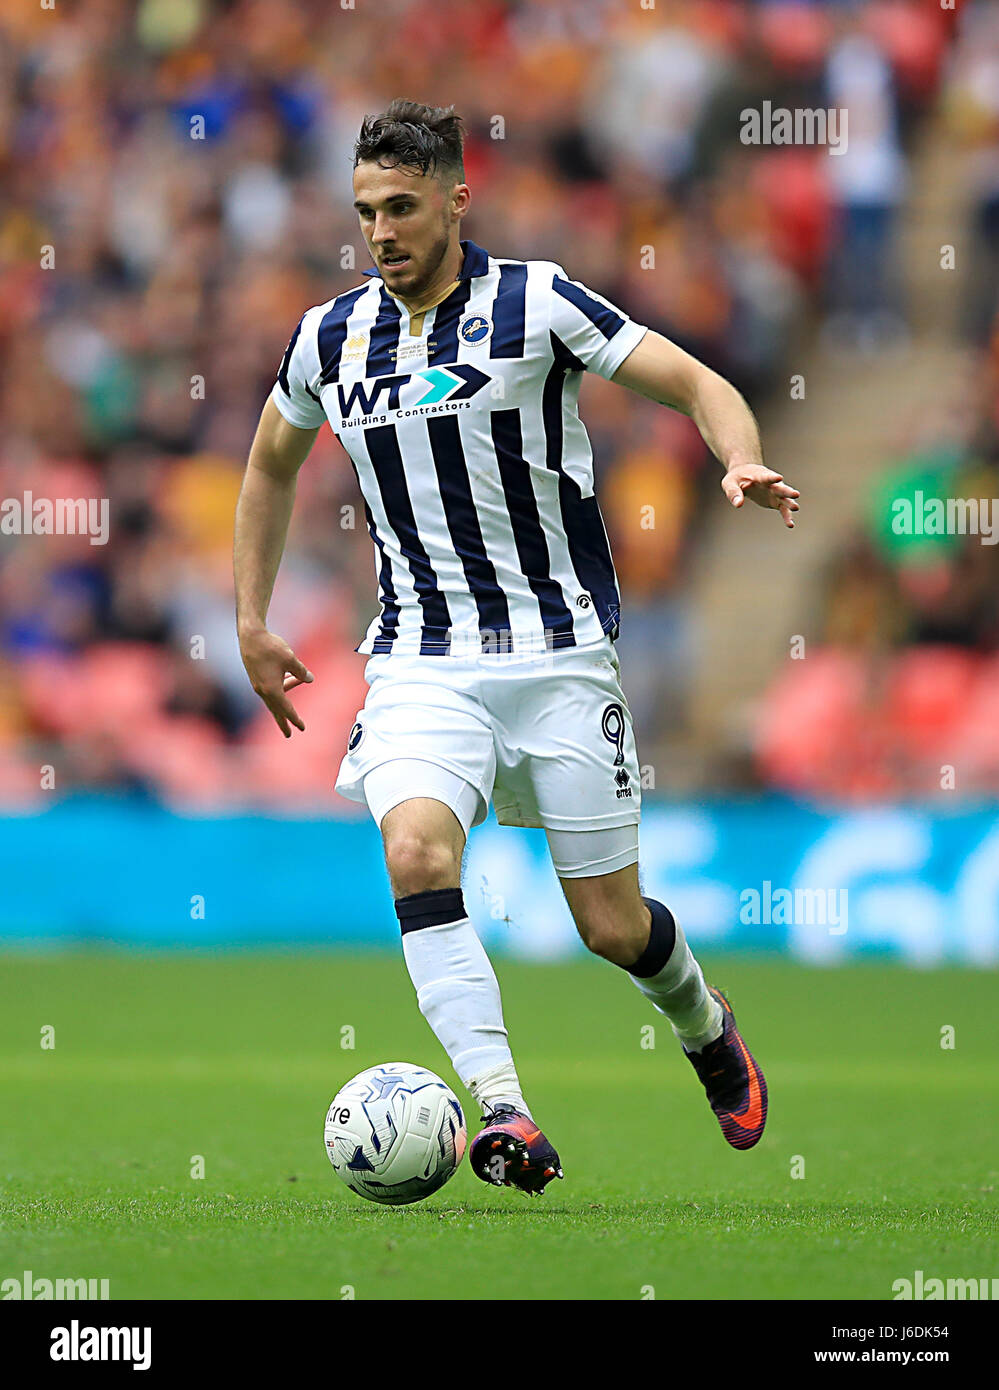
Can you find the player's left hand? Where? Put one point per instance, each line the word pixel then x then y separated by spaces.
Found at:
pixel 762 486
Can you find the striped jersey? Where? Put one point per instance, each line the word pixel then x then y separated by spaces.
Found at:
pixel 475 468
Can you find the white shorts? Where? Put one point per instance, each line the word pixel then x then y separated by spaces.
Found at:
pixel 549 740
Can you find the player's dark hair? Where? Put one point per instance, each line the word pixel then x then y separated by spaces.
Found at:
pixel 414 136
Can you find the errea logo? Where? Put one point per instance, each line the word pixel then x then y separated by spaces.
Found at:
pixel 408 393
pixel 355 349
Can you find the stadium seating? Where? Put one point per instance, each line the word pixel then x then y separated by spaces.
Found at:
pixel 184 265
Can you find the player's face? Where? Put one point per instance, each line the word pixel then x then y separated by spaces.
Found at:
pixel 408 220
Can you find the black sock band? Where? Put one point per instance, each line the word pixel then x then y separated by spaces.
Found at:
pixel 662 939
pixel 433 909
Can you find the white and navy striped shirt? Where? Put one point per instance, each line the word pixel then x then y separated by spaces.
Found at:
pixel 475 468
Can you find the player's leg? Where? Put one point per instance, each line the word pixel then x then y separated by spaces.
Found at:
pixel 638 934
pixel 421 756
pixel 456 988
pixel 642 936
pixel 567 760
pixel 455 985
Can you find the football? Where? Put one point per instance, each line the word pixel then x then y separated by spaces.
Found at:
pixel 395 1133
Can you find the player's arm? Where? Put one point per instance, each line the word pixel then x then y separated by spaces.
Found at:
pixel 665 373
pixel 263 513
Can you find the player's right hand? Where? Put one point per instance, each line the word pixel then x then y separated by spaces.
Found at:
pixel 274 669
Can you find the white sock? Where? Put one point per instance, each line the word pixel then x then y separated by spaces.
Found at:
pixel 679 992
pixel 459 996
pixel 498 1086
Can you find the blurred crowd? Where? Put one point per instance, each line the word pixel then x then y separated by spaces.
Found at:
pixel 175 180
pixel 902 699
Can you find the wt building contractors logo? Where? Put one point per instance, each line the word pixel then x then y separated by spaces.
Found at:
pixel 410 393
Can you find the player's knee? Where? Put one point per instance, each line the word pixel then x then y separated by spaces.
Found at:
pixel 419 863
pixel 607 936
pixel 618 931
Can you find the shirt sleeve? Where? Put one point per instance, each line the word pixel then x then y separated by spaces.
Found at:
pixel 292 395
pixel 595 331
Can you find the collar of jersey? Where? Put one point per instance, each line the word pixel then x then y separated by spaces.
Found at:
pixel 476 262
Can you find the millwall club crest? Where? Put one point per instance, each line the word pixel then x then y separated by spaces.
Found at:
pixel 474 328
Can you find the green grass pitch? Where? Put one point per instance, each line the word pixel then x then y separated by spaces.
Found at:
pixel 236 1057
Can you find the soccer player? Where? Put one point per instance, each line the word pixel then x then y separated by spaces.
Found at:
pixel 451 378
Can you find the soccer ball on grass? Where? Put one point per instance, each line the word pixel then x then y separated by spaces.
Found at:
pixel 395 1133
